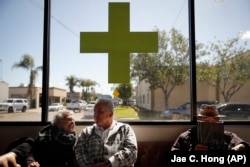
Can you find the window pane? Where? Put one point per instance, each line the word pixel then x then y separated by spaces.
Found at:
pixel 158 86
pixel 223 71
pixel 21 56
pixel 160 78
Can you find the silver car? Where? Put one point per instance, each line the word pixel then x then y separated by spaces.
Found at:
pixel 89 110
pixel 56 107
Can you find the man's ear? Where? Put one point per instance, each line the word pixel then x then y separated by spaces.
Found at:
pixel 111 114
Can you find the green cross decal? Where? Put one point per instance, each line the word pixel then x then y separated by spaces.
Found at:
pixel 119 42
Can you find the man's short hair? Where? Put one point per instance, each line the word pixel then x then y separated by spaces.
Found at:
pixel 107 102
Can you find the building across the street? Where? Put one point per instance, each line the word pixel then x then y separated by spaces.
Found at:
pixel 56 95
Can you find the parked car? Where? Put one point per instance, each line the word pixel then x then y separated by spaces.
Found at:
pixel 89 110
pixel 184 111
pixel 76 104
pixel 55 107
pixel 13 104
pixel 234 110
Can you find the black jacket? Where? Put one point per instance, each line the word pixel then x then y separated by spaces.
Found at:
pixel 21 147
pixel 53 148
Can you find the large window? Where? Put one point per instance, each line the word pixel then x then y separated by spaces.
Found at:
pixel 223 68
pixel 136 53
pixel 21 59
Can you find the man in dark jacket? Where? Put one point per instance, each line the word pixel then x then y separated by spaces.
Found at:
pixel 54 144
pixel 16 153
pixel 187 141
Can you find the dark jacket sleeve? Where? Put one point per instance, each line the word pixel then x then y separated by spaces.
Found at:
pixel 233 139
pixel 21 147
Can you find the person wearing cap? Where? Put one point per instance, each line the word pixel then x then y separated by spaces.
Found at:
pixel 107 142
pixel 187 141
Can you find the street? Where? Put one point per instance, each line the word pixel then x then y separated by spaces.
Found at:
pixel 33 115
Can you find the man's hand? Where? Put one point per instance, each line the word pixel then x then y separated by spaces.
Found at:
pixel 239 147
pixel 34 164
pixel 8 160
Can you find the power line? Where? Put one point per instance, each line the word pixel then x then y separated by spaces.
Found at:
pixel 179 13
pixel 39 6
pixel 36 4
pixel 64 26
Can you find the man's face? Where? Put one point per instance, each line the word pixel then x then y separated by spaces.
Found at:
pixel 102 115
pixel 68 124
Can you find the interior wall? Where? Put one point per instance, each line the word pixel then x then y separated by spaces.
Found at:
pixel 167 133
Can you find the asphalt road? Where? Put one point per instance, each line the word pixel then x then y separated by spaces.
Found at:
pixel 33 115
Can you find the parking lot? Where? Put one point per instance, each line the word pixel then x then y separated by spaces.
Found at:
pixel 33 115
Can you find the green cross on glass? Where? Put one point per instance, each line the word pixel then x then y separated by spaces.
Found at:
pixel 119 42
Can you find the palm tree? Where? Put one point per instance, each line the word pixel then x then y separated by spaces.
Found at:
pixel 87 86
pixel 72 81
pixel 27 62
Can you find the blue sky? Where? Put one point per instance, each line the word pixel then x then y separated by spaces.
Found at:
pixel 22 26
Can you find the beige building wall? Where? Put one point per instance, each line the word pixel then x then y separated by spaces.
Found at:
pixel 206 92
pixel 143 95
pixel 55 95
pixel 181 94
pixel 4 89
pixel 21 92
pixel 75 95
pixel 242 95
